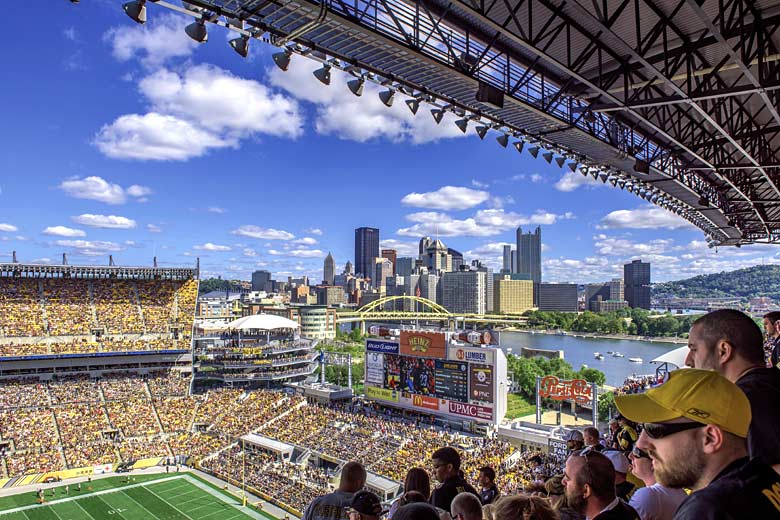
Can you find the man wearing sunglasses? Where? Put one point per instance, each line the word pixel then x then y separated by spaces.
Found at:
pixel 730 342
pixel 446 469
pixel 654 501
pixel 695 426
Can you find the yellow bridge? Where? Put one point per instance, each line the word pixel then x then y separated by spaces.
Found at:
pixel 425 310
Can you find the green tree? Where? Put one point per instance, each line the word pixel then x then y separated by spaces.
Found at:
pixel 606 403
pixel 593 375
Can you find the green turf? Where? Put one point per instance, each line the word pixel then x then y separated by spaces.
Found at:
pixel 174 499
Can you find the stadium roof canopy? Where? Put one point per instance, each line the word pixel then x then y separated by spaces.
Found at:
pixel 674 357
pixel 674 100
pixel 261 322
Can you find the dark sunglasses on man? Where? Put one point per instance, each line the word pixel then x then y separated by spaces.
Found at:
pixel 639 453
pixel 660 430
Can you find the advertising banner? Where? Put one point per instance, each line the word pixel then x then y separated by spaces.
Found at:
pixel 481 383
pixel 424 401
pixel 558 448
pixel 375 369
pixel 480 356
pixel 578 390
pixel 473 411
pixel 452 380
pixel 386 347
pixel 381 393
pixel 423 344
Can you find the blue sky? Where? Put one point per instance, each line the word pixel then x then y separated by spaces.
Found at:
pixel 135 141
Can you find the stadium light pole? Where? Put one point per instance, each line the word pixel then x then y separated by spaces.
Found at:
pixel 243 472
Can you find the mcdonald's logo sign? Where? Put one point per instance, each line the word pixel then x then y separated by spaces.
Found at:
pixel 422 401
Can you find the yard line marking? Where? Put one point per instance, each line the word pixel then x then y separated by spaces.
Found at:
pixel 140 504
pixel 173 506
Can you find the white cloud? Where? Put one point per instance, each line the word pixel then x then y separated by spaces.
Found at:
pixel 63 231
pixel 158 137
pixel 8 228
pixel 402 248
pixel 249 252
pixel 71 34
pixel 536 178
pixel 306 241
pixel 151 228
pixel 161 38
pixel 485 222
pixel 104 221
pixel 346 116
pixel 447 198
pixel 614 246
pixel 91 248
pixel 97 188
pixel 204 108
pixel 208 246
pixel 479 184
pixel 313 231
pixel 262 233
pixel 491 254
pixel 216 209
pixel 647 217
pixel 573 180
pixel 299 253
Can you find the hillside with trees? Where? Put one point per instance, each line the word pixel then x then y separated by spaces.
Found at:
pixel 626 321
pixel 759 280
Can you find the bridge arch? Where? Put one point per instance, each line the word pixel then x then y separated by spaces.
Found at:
pixel 374 305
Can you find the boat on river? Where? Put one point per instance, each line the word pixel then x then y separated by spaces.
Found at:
pixel 598 355
pixel 618 354
pixel 635 359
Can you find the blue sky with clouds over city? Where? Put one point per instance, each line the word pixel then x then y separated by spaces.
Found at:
pixel 137 142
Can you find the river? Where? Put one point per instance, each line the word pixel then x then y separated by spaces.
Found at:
pixel 579 351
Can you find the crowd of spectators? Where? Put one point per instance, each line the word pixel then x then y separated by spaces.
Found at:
pixel 116 306
pixel 20 307
pixel 67 306
pixel 638 384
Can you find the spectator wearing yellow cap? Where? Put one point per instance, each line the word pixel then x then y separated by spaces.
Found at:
pixel 695 429
pixel 730 342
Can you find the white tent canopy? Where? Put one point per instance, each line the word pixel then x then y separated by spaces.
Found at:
pixel 674 357
pixel 261 322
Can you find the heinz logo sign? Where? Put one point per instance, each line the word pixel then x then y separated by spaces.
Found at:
pixel 470 410
pixel 419 343
pixel 472 356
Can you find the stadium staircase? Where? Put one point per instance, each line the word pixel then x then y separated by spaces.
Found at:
pixel 92 306
pixel 42 302
pixel 60 444
pixel 279 417
pixel 154 408
pixel 137 299
pixel 3 468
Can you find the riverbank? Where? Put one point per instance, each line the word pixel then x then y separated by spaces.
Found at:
pixel 594 335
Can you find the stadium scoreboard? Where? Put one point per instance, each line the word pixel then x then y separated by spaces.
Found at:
pixel 425 372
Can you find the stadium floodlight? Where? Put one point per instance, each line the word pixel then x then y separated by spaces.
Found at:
pixel 572 166
pixel 356 86
pixel 135 10
pixel 519 146
pixel 197 31
pixel 413 104
pixel 482 130
pixel 240 45
pixel 534 151
pixel 323 74
pixel 437 114
pixel 386 96
pixel 584 169
pixel 548 156
pixel 463 124
pixel 282 59
pixel 561 161
pixel 622 183
pixel 503 140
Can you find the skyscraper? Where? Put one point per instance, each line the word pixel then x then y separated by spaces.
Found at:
pixel 457 258
pixel 507 265
pixel 329 270
pixel 261 281
pixel 383 269
pixel 390 254
pixel 366 250
pixel 529 257
pixel 404 265
pixel 348 269
pixel 636 277
pixel 464 291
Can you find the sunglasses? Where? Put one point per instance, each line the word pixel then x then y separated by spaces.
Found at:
pixel 639 453
pixel 660 430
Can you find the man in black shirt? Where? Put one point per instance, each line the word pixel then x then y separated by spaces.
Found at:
pixel 446 469
pixel 589 479
pixel 488 492
pixel 772 343
pixel 695 426
pixel 730 342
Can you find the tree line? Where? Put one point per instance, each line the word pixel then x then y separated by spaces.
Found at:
pixel 625 321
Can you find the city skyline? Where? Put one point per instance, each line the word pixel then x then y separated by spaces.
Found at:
pixel 145 160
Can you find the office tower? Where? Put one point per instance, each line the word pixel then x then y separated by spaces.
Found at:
pixel 463 292
pixel 404 266
pixel 383 269
pixel 429 284
pixel 411 285
pixel 329 270
pixel 558 297
pixel 636 276
pixel 261 281
pixel 507 264
pixel 330 295
pixel 476 265
pixel 348 269
pixel 598 294
pixel 390 254
pixel 366 250
pixel 512 295
pixel 456 259
pixel 529 257
pixel 436 257
pixel 425 242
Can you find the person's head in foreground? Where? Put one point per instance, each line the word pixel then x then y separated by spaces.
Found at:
pixel 416 511
pixel 353 477
pixel 524 507
pixel 695 429
pixel 446 463
pixel 466 506
pixel 589 479
pixel 365 506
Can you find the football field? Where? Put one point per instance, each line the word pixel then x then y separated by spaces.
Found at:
pixel 177 497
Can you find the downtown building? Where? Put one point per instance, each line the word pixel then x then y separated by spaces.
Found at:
pixel 366 250
pixel 512 294
pixel 529 257
pixel 636 277
pixel 464 291
pixel 560 297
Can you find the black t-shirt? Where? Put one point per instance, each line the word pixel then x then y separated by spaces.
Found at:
pixel 624 490
pixel 489 495
pixel 622 511
pixel 743 490
pixel 443 495
pixel 762 388
pixel 775 357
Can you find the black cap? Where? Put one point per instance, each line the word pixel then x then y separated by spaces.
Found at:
pixel 367 503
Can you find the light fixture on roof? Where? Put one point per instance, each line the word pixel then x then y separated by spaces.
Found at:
pixel 519 145
pixel 135 10
pixel 548 156
pixel 356 86
pixel 561 161
pixel 503 140
pixel 534 151
pixel 197 30
pixel 323 74
pixel 282 59
pixel 572 166
pixel 584 169
pixel 240 45
pixel 482 130
pixel 413 104
pixel 463 124
pixel 386 96
pixel 437 114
